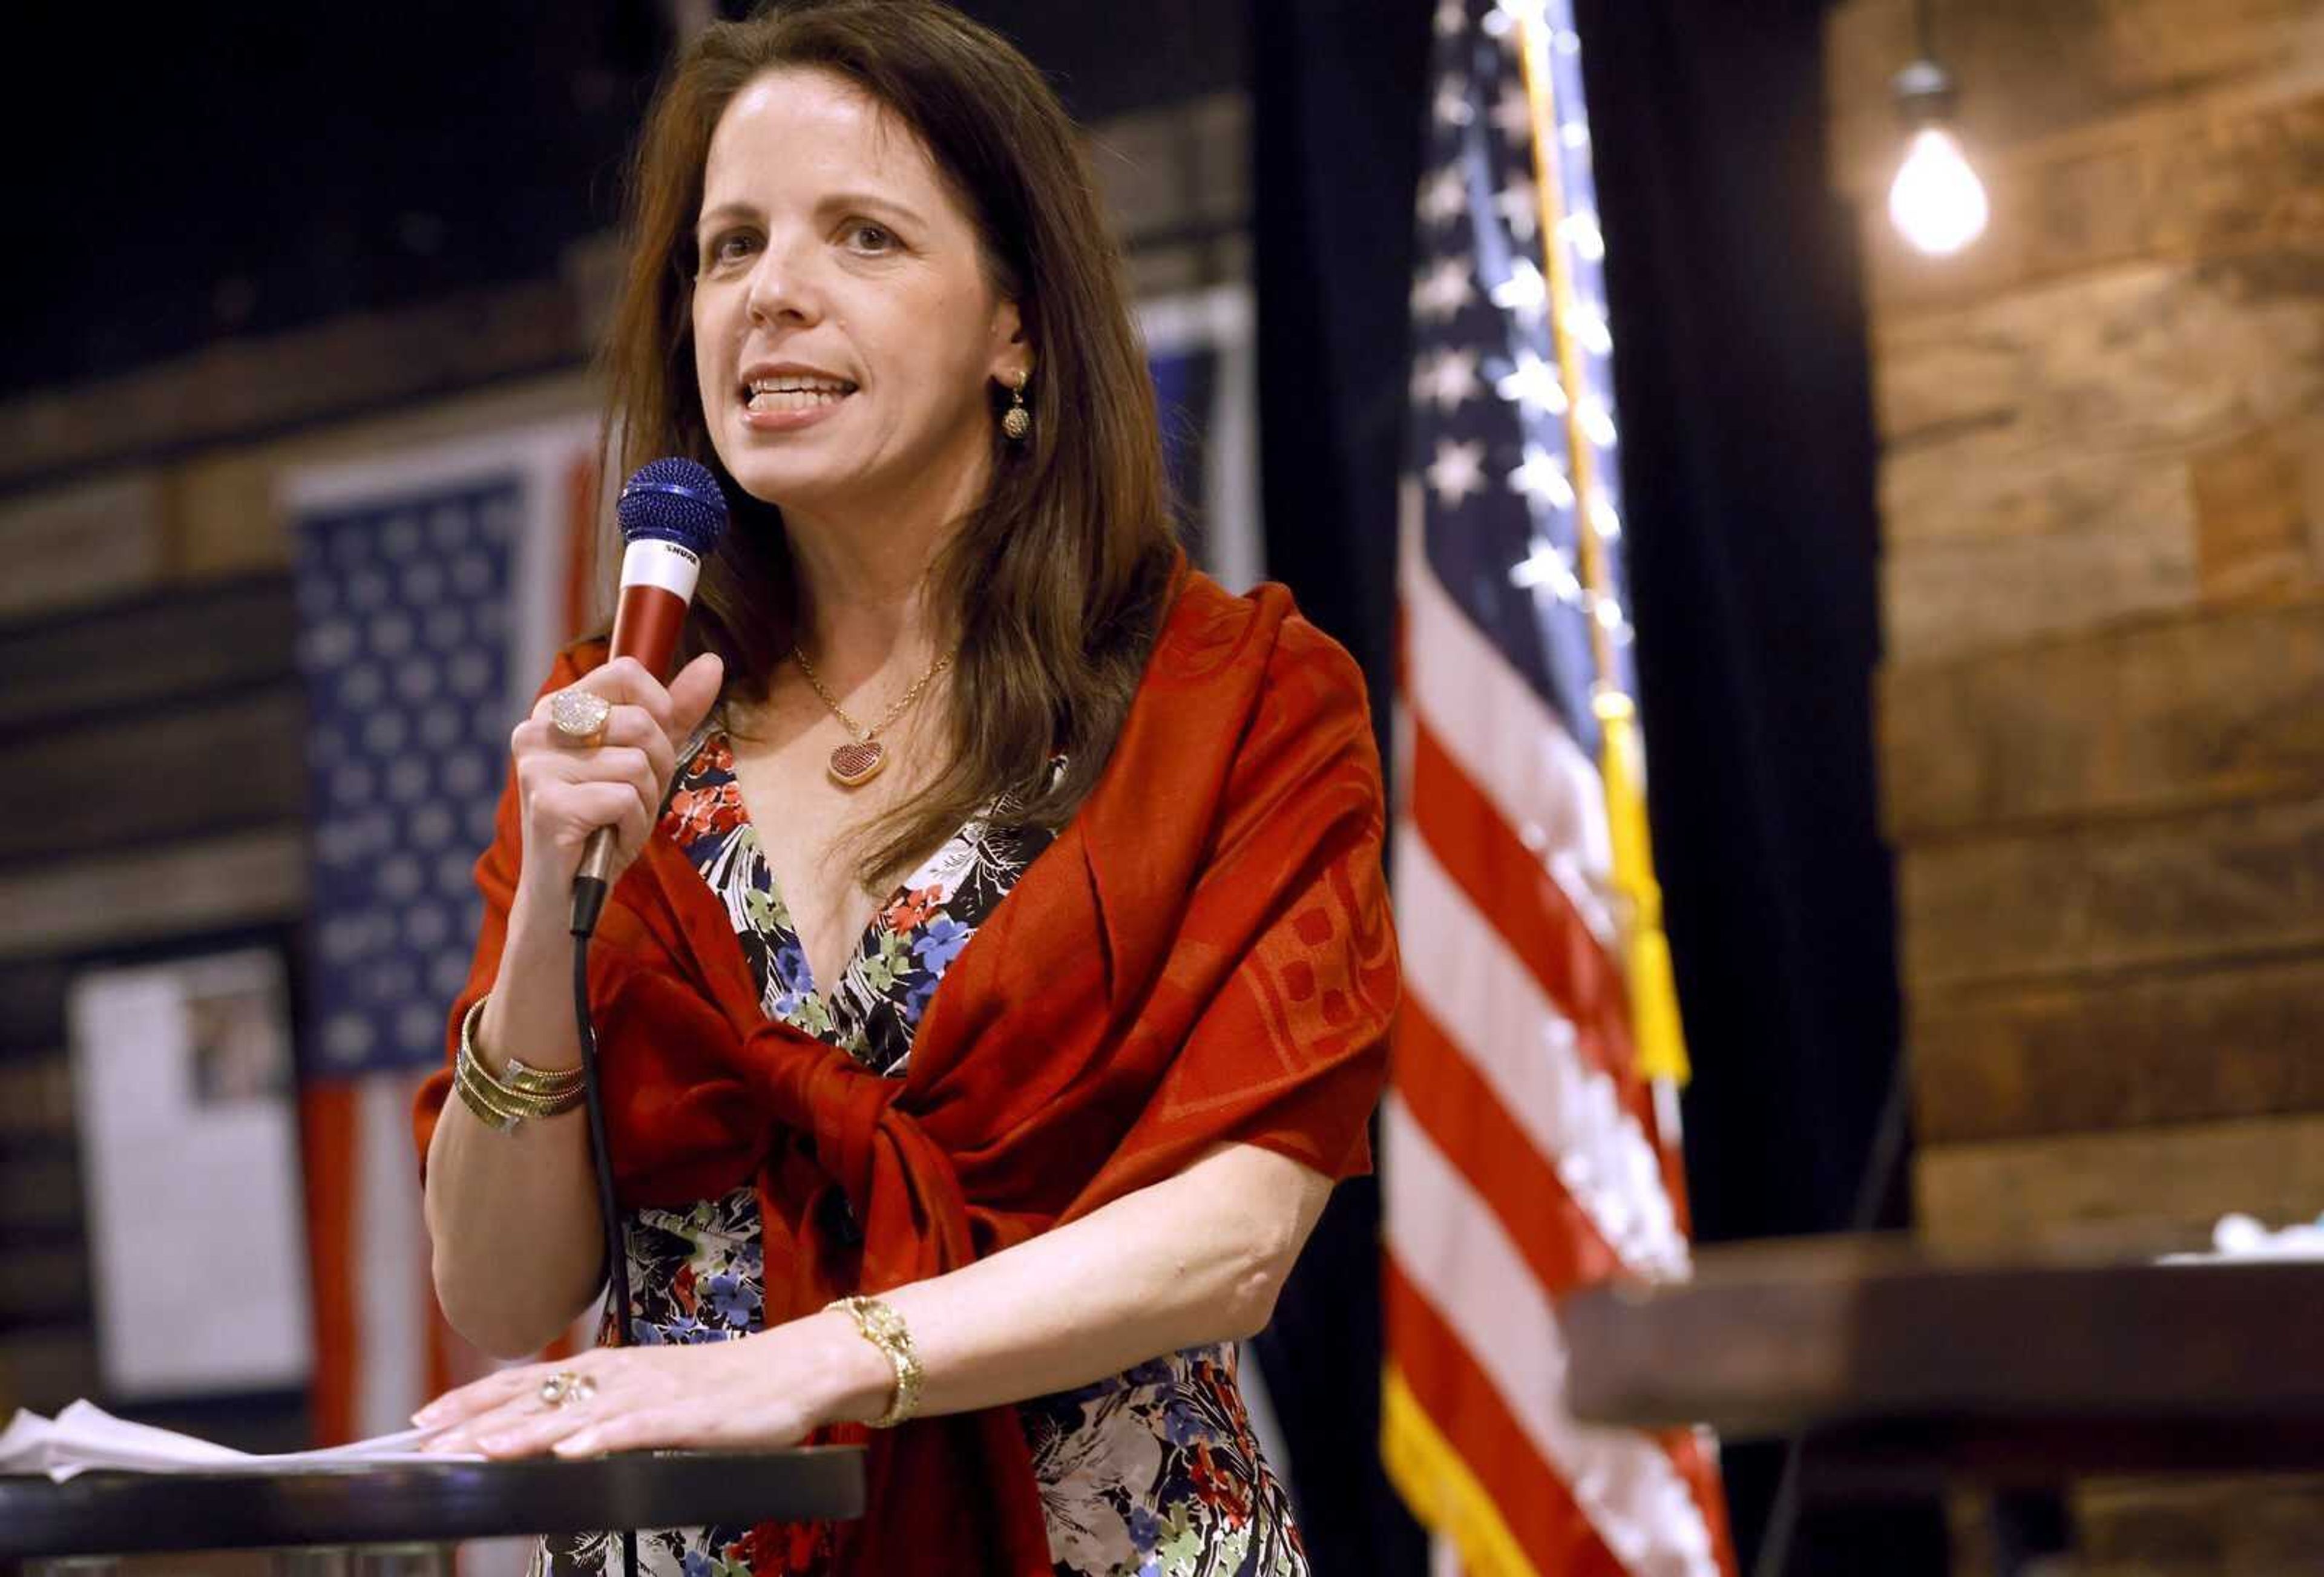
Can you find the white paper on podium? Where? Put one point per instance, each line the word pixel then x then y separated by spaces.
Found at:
pixel 85 1436
pixel 2239 1239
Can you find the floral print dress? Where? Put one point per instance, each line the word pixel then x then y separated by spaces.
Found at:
pixel 1154 1472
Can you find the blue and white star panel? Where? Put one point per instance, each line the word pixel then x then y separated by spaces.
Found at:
pixel 429 589
pixel 1491 411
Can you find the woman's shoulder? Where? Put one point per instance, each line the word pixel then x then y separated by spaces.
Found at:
pixel 1211 634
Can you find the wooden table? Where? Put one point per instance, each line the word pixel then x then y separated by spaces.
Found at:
pixel 1901 1370
pixel 422 1503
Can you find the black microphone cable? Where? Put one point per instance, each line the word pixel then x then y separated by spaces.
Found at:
pixel 588 901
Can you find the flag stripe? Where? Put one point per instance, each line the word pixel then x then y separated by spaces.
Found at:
pixel 1504 880
pixel 1459 968
pixel 394 1300
pixel 1504 740
pixel 1463 1263
pixel 1694 1456
pixel 1443 1093
pixel 1430 1477
pixel 1492 1312
pixel 326 1137
pixel 1437 1484
pixel 1444 1385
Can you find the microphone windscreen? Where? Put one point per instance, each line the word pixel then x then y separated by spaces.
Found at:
pixel 675 499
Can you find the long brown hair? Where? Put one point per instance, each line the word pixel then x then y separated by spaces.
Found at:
pixel 1058 578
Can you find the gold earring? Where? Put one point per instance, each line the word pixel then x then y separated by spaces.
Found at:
pixel 1017 421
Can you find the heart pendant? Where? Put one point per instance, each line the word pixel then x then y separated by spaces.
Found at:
pixel 857 764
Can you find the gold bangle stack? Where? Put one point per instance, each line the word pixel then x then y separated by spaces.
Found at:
pixel 517 1093
pixel 884 1328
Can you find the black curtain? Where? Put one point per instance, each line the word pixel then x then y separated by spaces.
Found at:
pixel 1747 452
pixel 1748 469
pixel 1336 90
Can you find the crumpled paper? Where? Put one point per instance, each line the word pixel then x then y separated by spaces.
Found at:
pixel 85 1436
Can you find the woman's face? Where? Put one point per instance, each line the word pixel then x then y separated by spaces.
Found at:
pixel 844 332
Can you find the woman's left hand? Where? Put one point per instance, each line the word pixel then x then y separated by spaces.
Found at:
pixel 757 1392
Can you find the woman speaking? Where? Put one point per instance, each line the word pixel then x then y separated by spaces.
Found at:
pixel 998 969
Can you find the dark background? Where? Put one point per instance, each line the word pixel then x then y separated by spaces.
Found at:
pixel 233 171
pixel 241 170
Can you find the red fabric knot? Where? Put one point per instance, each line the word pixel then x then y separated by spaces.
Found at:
pixel 818 1090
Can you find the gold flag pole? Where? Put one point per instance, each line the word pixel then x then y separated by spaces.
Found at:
pixel 1661 1043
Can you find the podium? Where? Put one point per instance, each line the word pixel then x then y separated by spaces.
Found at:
pixel 104 1514
pixel 1898 1370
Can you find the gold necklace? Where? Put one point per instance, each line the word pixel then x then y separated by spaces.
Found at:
pixel 858 762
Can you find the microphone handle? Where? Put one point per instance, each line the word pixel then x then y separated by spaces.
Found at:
pixel 658 580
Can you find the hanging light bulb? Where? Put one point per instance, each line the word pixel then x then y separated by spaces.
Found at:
pixel 1937 201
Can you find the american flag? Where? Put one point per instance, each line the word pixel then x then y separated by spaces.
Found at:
pixel 1525 1151
pixel 431 586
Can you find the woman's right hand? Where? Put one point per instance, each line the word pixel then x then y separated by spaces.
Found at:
pixel 567 791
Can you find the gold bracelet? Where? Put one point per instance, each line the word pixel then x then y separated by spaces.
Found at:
pixel 518 1094
pixel 495 1106
pixel 549 1083
pixel 884 1328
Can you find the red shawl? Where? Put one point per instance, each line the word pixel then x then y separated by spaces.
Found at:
pixel 1203 956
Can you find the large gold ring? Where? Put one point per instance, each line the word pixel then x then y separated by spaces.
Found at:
pixel 565 1388
pixel 579 716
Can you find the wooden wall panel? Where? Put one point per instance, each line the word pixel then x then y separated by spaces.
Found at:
pixel 2247 1526
pixel 32 1005
pixel 224 516
pixel 2168 714
pixel 2212 886
pixel 2139 1191
pixel 2153 1048
pixel 39 1191
pixel 242 879
pixel 96 539
pixel 45 1370
pixel 2043 446
pixel 2251 525
pixel 2148 355
pixel 1987 594
pixel 35 1101
pixel 239 761
pixel 147 654
pixel 46 1285
pixel 1171 172
pixel 1984 486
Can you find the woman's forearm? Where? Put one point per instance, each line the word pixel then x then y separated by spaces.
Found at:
pixel 1196 1258
pixel 518 1244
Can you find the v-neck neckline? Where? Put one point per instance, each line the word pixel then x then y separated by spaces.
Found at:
pixel 810 985
pixel 811 988
pixel 846 1020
